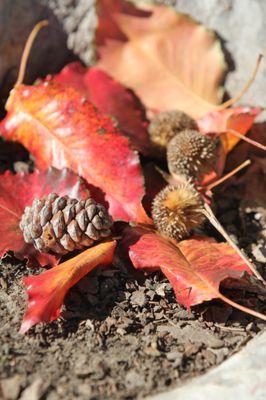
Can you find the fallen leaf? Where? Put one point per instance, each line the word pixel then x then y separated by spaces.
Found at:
pixel 107 25
pixel 46 291
pixel 194 267
pixel 61 128
pixel 244 151
pixel 112 98
pixel 17 192
pixel 169 60
pixel 239 119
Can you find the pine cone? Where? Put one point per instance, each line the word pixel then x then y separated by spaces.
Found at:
pixel 61 224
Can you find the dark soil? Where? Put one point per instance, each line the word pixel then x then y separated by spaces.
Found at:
pixel 122 335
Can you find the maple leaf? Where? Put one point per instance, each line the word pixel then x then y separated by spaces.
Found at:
pixel 17 192
pixel 46 291
pixel 169 60
pixel 110 97
pixel 194 267
pixel 61 128
pixel 238 119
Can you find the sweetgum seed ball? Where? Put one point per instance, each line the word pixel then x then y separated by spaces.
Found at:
pixel 166 125
pixel 191 154
pixel 176 210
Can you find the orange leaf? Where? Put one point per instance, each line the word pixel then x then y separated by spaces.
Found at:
pixel 46 291
pixel 169 60
pixel 195 267
pixel 61 128
pixel 239 119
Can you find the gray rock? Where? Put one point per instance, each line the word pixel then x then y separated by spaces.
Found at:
pixel 241 376
pixel 79 20
pixel 49 52
pixel 241 24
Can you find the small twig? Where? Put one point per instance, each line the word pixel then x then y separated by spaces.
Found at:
pixel 229 175
pixel 170 321
pixel 213 220
pixel 158 321
pixel 228 328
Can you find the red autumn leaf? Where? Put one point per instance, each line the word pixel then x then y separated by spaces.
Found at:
pixel 194 267
pixel 61 128
pixel 239 119
pixel 17 192
pixel 166 58
pixel 107 25
pixel 46 291
pixel 110 97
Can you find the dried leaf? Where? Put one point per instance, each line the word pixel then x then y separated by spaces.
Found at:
pixel 169 60
pixel 46 291
pixel 194 267
pixel 239 119
pixel 107 25
pixel 61 128
pixel 111 98
pixel 17 192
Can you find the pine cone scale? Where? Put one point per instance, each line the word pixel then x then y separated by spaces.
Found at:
pixel 59 225
pixel 74 231
pixel 82 219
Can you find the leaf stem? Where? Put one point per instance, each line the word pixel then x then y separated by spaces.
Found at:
pixel 243 308
pixel 246 139
pixel 235 99
pixel 27 49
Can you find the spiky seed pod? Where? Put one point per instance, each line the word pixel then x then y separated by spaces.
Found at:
pixel 191 154
pixel 61 224
pixel 177 209
pixel 166 125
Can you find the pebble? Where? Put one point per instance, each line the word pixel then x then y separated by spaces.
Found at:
pixel 133 379
pixel 259 252
pixel 175 356
pixel 138 298
pixel 11 387
pixel 33 391
pixel 84 389
pixel 160 289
